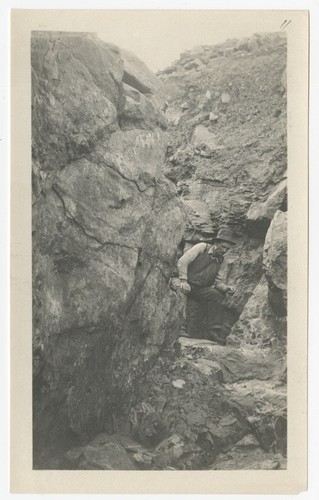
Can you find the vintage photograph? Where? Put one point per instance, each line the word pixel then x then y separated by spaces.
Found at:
pixel 159 253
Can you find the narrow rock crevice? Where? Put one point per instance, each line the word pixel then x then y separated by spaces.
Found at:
pixel 130 171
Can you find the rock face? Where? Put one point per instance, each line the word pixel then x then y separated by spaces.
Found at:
pixel 106 226
pixel 113 389
pixel 263 319
pixel 227 149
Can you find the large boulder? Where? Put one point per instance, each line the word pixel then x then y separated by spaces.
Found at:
pixel 106 226
pixel 257 324
pixel 263 318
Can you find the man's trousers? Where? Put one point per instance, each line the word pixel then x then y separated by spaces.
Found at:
pixel 205 313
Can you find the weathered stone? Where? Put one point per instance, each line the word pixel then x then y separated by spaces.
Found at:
pixel 195 63
pixel 251 460
pixel 137 74
pixel 275 251
pixel 137 155
pixel 69 128
pixel 225 98
pixel 209 367
pixel 253 159
pixel 260 215
pixel 106 457
pixel 139 111
pixel 173 447
pixel 248 442
pixel 242 269
pixel 108 452
pixel 106 227
pixel 202 136
pixel 199 220
pixel 179 383
pixel 213 117
pixel 257 323
pixel 235 364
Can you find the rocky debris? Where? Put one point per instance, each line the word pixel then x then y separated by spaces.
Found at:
pixel 212 407
pixel 201 136
pixel 225 396
pixel 235 363
pixel 247 455
pixel 251 460
pixel 242 79
pixel 106 226
pixel 227 155
pixel 109 452
pixel 103 457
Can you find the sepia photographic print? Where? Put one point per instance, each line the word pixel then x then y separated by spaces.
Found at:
pixel 163 322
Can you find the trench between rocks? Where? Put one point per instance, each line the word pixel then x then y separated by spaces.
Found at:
pixel 115 384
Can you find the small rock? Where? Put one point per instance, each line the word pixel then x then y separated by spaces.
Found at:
pixel 201 135
pixel 179 383
pixel 225 98
pixel 143 458
pixel 185 105
pixel 208 94
pixel 193 64
pixel 213 117
pixel 169 70
pixel 248 442
pixel 173 445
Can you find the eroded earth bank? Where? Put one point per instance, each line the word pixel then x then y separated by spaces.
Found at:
pixel 129 170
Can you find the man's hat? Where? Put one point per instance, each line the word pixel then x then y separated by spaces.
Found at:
pixel 225 235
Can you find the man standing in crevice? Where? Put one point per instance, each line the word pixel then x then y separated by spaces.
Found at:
pixel 198 278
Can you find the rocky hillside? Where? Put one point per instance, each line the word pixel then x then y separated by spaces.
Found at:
pixel 227 152
pixel 106 225
pixel 113 386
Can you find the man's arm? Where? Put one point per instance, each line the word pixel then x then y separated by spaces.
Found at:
pixel 220 285
pixel 187 258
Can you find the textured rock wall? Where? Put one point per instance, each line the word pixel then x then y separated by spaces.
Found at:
pixel 106 225
pixel 227 150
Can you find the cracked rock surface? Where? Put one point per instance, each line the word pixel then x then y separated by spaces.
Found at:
pixel 106 225
pixel 227 150
pixel 114 388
